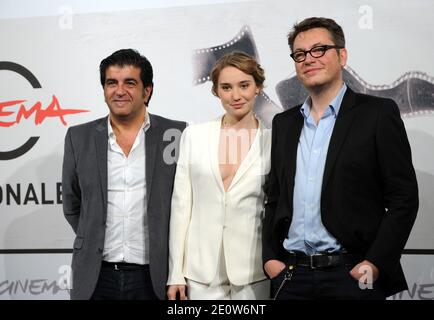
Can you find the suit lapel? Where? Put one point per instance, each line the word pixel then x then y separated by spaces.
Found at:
pixel 152 137
pixel 252 155
pixel 292 137
pixel 213 148
pixel 101 145
pixel 343 123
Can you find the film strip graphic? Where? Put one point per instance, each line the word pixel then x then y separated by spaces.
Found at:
pixel 205 58
pixel 413 91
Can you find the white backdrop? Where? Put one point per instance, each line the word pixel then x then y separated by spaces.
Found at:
pixel 61 44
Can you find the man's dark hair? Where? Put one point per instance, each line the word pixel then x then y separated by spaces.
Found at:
pixel 128 57
pixel 330 25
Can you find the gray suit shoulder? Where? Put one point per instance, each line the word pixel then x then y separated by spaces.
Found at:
pixel 90 125
pixel 168 123
pixel 102 123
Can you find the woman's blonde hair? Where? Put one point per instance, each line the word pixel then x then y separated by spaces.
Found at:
pixel 241 61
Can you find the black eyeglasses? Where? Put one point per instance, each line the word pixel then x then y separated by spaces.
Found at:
pixel 316 52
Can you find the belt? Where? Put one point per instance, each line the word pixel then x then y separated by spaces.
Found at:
pixel 124 266
pixel 322 260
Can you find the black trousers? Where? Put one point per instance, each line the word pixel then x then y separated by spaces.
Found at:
pixel 332 283
pixel 128 284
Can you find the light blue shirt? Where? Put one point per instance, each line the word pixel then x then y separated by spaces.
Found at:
pixel 307 233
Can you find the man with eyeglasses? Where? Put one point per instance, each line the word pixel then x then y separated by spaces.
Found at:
pixel 342 193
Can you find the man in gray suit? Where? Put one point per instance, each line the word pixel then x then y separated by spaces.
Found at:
pixel 117 185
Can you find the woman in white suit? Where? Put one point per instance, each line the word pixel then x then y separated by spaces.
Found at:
pixel 217 203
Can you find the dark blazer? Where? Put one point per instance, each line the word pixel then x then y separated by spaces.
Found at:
pixel 369 196
pixel 84 189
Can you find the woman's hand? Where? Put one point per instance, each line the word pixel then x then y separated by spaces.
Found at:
pixel 173 290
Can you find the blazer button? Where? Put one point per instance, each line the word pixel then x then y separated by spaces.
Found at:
pixel 99 250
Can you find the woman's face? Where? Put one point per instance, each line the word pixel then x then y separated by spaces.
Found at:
pixel 237 91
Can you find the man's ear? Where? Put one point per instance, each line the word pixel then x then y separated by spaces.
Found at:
pixel 147 92
pixel 343 55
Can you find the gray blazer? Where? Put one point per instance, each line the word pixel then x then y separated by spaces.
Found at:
pixel 84 189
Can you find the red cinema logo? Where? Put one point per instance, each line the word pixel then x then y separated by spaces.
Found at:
pixel 20 110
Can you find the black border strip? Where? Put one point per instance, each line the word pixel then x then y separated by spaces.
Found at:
pixel 42 251
pixel 34 251
pixel 418 251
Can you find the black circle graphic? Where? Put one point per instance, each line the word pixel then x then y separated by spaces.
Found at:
pixel 30 77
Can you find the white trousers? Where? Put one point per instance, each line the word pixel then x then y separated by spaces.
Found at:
pixel 221 289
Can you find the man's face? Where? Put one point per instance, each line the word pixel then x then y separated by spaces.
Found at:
pixel 124 92
pixel 323 72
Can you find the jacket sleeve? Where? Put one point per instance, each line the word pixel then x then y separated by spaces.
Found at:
pixel 71 193
pixel 272 193
pixel 180 212
pixel 400 191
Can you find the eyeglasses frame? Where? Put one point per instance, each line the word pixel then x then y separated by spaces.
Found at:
pixel 326 48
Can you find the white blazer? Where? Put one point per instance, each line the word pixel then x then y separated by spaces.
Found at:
pixel 204 217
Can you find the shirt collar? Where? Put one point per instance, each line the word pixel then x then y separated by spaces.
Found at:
pixel 334 105
pixel 145 126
